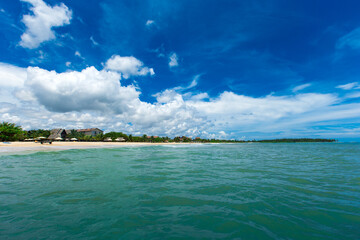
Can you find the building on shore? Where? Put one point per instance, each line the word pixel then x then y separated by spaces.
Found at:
pixel 90 131
pixel 65 133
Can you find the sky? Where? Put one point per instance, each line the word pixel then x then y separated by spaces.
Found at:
pixel 251 69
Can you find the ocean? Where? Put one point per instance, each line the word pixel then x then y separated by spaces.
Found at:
pixel 198 191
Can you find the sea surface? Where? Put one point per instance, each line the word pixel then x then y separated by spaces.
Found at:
pixel 200 191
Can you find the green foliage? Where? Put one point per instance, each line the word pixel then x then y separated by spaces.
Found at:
pixel 137 139
pixel 145 138
pixel 115 135
pixel 76 134
pixel 38 133
pixel 87 138
pixel 11 132
pixel 99 137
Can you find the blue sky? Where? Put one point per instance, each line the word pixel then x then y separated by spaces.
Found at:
pixel 224 69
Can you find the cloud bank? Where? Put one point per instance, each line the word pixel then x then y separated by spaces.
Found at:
pixel 39 98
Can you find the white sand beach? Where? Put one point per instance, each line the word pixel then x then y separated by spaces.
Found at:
pixel 15 147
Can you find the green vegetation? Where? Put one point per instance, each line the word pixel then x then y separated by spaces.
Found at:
pixel 115 135
pixel 76 134
pixel 11 132
pixel 37 133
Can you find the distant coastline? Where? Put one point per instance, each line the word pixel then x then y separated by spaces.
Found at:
pixel 294 140
pixel 11 132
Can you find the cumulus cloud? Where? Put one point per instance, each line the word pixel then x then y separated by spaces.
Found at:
pixel 39 98
pixel 11 76
pixel 89 89
pixel 172 116
pixel 173 60
pixel 128 66
pixel 40 24
pixel 231 107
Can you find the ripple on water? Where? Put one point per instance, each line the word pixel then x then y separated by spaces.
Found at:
pixel 234 191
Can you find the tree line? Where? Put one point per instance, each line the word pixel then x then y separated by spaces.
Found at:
pixel 12 132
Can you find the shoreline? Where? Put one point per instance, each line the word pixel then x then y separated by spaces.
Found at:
pixel 8 148
pixel 19 147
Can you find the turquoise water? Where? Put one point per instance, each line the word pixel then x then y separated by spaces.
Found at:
pixel 231 191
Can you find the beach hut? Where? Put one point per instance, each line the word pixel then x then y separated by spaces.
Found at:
pixel 59 139
pixel 57 133
pixel 73 139
pixel 120 139
pixel 107 139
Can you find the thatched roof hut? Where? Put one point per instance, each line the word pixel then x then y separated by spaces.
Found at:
pixel 57 133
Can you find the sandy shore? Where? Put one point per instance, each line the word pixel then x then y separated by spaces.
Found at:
pixel 14 147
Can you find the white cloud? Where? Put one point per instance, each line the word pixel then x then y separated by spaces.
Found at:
pixel 149 23
pixel 128 66
pixel 223 134
pixel 93 41
pixel 301 87
pixel 173 60
pixel 349 86
pixel 6 117
pixel 89 89
pixel 200 96
pixel 166 96
pixel 353 95
pixel 11 76
pixel 68 64
pixel 193 84
pixel 38 98
pixel 78 54
pixel 230 107
pixel 39 25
